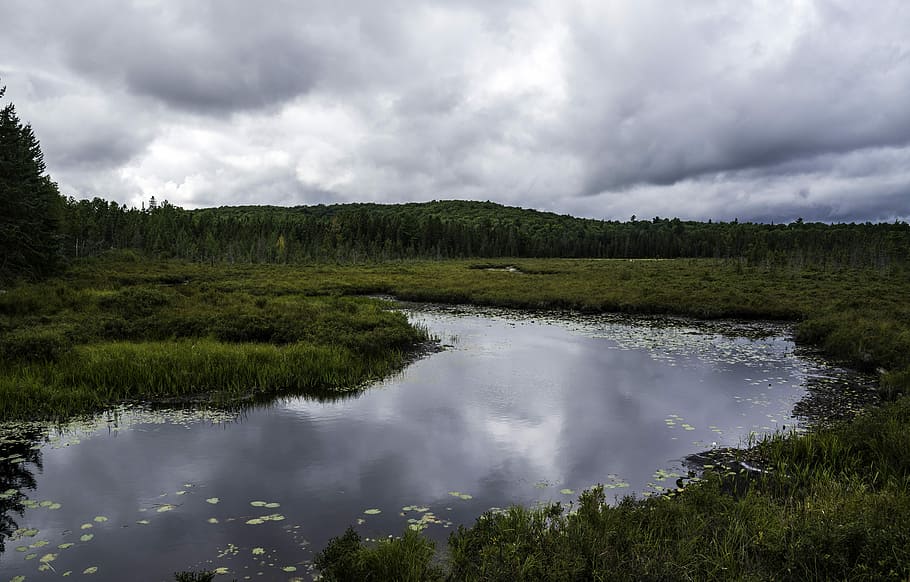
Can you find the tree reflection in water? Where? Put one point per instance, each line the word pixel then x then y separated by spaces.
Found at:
pixel 19 457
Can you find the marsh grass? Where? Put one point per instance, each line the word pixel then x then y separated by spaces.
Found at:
pixel 100 336
pixel 408 558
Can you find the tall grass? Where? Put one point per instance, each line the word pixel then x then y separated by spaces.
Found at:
pixel 89 340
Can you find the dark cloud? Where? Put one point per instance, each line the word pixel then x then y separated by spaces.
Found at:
pixel 703 110
pixel 683 110
pixel 205 57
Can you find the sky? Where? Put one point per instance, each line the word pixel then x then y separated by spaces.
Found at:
pixel 697 109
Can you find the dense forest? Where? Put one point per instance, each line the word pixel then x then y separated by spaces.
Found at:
pixel 457 229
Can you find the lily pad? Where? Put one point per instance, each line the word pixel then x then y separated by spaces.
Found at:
pixel 143 522
pixel 258 551
pixel 212 520
pixel 289 569
pixel 222 570
pixel 86 537
pixel 90 570
pixel 272 505
pixel 166 507
pixel 255 521
pixel 258 503
pixel 86 526
pixel 47 558
pixel 100 519
pixel 567 491
pixel 460 495
pixel 212 500
pixel 373 511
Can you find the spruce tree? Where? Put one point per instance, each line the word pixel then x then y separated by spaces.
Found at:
pixel 30 203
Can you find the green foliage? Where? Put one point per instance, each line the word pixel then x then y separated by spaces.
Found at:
pixel 405 559
pixel 840 532
pixel 459 229
pixel 128 331
pixel 30 204
pixel 42 344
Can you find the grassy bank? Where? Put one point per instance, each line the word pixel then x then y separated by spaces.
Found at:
pixel 95 338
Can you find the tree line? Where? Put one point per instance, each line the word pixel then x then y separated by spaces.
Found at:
pixel 459 229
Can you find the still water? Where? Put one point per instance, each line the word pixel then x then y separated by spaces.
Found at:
pixel 517 408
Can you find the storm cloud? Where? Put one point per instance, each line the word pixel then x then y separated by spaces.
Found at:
pixel 703 109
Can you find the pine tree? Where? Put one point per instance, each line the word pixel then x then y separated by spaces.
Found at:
pixel 30 203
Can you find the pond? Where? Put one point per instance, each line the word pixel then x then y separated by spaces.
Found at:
pixel 518 408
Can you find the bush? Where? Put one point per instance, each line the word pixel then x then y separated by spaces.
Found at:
pixel 34 345
pixel 405 559
pixel 137 300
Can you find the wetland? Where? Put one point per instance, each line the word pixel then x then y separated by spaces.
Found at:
pixel 517 408
pixel 166 416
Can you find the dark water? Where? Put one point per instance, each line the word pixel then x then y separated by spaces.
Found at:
pixel 516 410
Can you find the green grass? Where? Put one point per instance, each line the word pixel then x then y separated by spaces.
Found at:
pixel 102 335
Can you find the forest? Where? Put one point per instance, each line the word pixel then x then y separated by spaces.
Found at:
pixel 456 229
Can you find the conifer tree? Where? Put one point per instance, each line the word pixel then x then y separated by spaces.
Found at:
pixel 30 203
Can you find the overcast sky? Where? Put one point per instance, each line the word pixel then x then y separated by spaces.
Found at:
pixel 759 110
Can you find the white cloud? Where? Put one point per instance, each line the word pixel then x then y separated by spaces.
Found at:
pixel 701 109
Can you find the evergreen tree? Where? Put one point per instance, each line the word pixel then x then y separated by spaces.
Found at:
pixel 30 204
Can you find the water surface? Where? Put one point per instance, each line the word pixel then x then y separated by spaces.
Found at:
pixel 516 409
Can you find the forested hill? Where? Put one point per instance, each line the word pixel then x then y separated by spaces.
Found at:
pixel 443 229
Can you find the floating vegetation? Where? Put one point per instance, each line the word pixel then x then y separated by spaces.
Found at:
pixel 567 491
pixel 86 537
pixel 262 519
pixel 458 494
pixel 372 511
pixel 163 507
pixel 212 500
pixel 90 570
